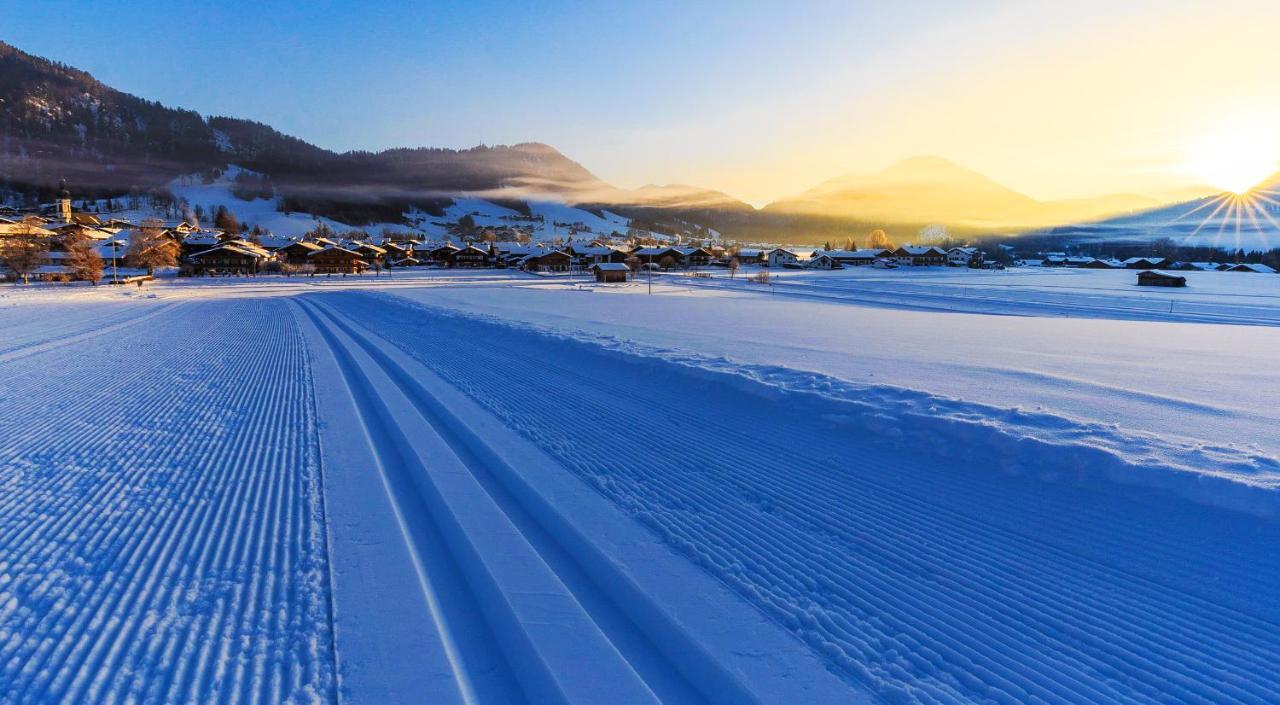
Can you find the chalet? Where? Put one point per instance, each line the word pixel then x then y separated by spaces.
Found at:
pixel 298 252
pixel 1143 262
pixel 337 260
pixel 963 256
pixel 372 254
pixel 587 255
pixel 822 260
pixel 1253 267
pixel 443 254
pixel 227 258
pixel 1077 262
pixel 1154 278
pixel 611 272
pixel 405 262
pixel 395 251
pixel 857 258
pixel 470 256
pixel 778 257
pixel 197 242
pixel 694 256
pixel 920 256
pixel 749 256
pixel 656 255
pixel 554 261
pixel 1103 264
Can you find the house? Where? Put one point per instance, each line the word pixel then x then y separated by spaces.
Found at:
pixel 337 260
pixel 750 256
pixel 372 254
pixel 778 257
pixel 554 261
pixel 470 256
pixel 1143 262
pixel 228 258
pixel 694 256
pixel 443 254
pixel 920 256
pixel 1254 267
pixel 822 260
pixel 1103 264
pixel 395 251
pixel 1154 278
pixel 611 272
pixel 587 255
pixel 298 252
pixel 962 256
pixel 656 255
pixel 856 258
pixel 1078 261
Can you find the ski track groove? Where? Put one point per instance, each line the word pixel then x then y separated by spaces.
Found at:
pixel 888 578
pixel 656 663
pixel 146 561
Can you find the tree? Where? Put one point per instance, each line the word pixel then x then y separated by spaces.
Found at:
pixel 226 221
pixel 151 248
pixel 84 260
pixel 733 267
pixel 633 263
pixel 878 240
pixel 23 255
pixel 667 262
pixel 466 223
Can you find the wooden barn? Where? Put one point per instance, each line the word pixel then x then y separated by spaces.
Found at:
pixel 611 272
pixel 1153 278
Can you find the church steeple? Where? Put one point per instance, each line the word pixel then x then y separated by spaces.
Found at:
pixel 64 201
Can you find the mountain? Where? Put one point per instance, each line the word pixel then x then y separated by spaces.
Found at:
pixel 935 190
pixel 1224 221
pixel 57 121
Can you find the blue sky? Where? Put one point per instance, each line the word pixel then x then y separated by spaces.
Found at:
pixel 761 99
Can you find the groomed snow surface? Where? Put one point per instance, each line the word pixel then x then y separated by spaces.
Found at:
pixel 494 488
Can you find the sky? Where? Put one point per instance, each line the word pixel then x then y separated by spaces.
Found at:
pixel 759 99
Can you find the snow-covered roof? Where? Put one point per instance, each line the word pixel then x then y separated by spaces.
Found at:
pixel 1253 267
pixel 611 267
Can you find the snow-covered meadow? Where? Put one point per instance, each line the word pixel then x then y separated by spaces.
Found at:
pixel 931 486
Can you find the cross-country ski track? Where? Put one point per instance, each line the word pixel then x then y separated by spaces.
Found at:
pixel 351 497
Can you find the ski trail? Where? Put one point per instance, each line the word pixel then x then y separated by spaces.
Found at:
pixel 158 530
pixel 75 333
pixel 518 590
pixel 929 575
pixel 671 667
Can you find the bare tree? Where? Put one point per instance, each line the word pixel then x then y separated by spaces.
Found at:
pixel 733 267
pixel 633 263
pixel 151 248
pixel 667 262
pixel 23 255
pixel 84 260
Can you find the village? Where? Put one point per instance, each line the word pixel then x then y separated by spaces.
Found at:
pixel 59 243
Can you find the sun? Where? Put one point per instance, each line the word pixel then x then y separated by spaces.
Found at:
pixel 1235 159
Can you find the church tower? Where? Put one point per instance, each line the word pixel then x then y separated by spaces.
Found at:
pixel 64 201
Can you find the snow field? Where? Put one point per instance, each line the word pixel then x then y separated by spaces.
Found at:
pixel 533 609
pixel 926 573
pixel 160 535
pixel 1213 297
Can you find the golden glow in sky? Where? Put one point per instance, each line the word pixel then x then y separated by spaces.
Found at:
pixel 1235 159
